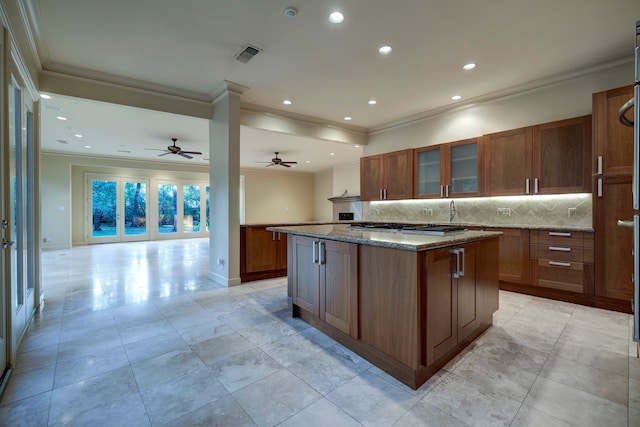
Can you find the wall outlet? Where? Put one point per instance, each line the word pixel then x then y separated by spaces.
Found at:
pixel 571 212
pixel 220 262
pixel 427 211
pixel 45 240
pixel 504 211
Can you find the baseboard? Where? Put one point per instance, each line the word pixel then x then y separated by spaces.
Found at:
pixel 224 281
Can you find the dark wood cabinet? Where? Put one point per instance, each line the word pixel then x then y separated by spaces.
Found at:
pixel 323 281
pixel 612 198
pixel 387 176
pixel 514 256
pixel 449 170
pixel 562 156
pixel 549 158
pixel 263 253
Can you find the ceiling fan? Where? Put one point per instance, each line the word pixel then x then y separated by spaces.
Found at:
pixel 276 161
pixel 174 149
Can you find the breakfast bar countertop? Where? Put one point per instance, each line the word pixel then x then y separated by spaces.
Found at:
pixel 391 239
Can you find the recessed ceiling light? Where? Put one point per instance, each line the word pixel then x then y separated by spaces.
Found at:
pixel 307 161
pixel 87 146
pixel 77 135
pixel 469 66
pixel 332 154
pixel 385 50
pixel 372 102
pixel 336 17
pixel 357 146
pixel 286 102
pixel 45 96
pixel 347 118
pixel 61 118
pixel 456 97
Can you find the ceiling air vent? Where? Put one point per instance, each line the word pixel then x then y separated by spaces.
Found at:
pixel 247 53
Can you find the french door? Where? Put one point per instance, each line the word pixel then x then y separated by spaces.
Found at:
pixel 6 239
pixel 117 209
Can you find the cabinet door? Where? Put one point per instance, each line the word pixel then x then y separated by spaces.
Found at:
pixel 562 156
pixel 464 177
pixel 260 250
pixel 508 163
pixel 514 256
pixel 371 173
pixel 467 292
pixel 613 141
pixel 398 175
pixel 281 251
pixel 428 172
pixel 614 244
pixel 305 275
pixel 339 285
pixel 442 304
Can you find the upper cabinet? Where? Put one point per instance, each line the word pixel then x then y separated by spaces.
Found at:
pixel 448 170
pixel 549 158
pixel 387 176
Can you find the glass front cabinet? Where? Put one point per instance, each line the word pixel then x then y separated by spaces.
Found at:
pixel 449 170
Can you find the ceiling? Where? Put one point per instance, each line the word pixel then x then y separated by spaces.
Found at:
pixel 328 71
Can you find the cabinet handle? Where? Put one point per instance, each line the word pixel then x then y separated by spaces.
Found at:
pixel 526 186
pixel 535 186
pixel 599 187
pixel 273 235
pixel 278 235
pixel 599 165
pixel 385 194
pixel 559 248
pixel 560 264
pixel 462 253
pixel 315 252
pixel 380 194
pixel 442 191
pixel 321 259
pixel 559 233
pixel 447 189
pixel 456 274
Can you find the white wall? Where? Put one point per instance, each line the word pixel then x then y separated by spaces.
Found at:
pixel 569 98
pixel 346 177
pixel 322 190
pixel 277 196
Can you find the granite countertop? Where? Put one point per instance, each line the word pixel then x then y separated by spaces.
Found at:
pixel 390 239
pixel 530 227
pixel 291 223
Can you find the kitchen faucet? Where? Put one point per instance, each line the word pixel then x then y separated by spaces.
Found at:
pixel 452 211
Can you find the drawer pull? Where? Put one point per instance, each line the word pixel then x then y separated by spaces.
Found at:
pixel 560 264
pixel 559 248
pixel 559 233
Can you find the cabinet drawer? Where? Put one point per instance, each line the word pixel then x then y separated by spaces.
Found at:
pixel 559 253
pixel 563 275
pixel 558 238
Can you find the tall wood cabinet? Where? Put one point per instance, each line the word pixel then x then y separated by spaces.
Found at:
pixel 448 170
pixel 612 199
pixel 549 158
pixel 387 176
pixel 263 253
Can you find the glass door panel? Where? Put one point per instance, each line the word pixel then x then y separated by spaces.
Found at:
pixel 429 173
pixel 208 197
pixel 135 208
pixel 464 168
pixel 191 208
pixel 104 211
pixel 167 208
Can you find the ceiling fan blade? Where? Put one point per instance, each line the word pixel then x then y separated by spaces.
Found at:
pixel 181 153
pixel 263 162
pixel 288 163
pixel 164 154
pixel 286 166
pixel 191 152
pixel 270 164
pixel 154 149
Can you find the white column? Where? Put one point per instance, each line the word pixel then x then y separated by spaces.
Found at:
pixel 224 176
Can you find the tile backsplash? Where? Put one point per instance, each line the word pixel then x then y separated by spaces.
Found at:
pixel 574 210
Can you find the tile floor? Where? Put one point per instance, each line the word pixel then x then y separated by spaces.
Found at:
pixel 135 335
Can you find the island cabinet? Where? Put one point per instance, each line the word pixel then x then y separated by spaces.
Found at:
pixel 263 253
pixel 323 280
pixel 448 170
pixel 387 176
pixel 549 158
pixel 406 311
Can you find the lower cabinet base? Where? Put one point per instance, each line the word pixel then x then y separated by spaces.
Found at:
pixel 261 275
pixel 405 374
pixel 572 297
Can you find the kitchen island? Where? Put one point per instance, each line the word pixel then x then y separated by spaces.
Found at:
pixel 408 303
